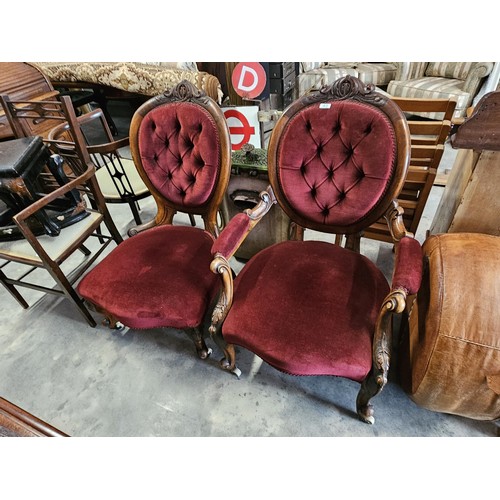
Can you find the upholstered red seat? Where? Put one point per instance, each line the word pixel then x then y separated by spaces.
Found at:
pixel 160 276
pixel 157 278
pixel 317 276
pixel 337 160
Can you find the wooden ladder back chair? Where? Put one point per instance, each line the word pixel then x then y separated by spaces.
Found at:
pixel 337 160
pixel 428 136
pixel 160 276
pixel 117 174
pixel 66 178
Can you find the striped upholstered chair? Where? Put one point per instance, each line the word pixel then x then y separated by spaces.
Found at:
pixel 315 75
pixel 441 80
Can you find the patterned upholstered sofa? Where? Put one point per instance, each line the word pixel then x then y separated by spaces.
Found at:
pixel 315 75
pixel 144 79
pixel 441 80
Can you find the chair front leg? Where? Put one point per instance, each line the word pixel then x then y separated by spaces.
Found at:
pixel 201 347
pixel 376 380
pixel 221 266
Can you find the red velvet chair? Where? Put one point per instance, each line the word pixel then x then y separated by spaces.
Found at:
pixel 337 160
pixel 160 276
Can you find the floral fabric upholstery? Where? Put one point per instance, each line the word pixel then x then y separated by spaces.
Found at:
pixel 140 78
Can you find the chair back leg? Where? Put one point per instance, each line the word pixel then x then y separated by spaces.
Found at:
pixel 12 290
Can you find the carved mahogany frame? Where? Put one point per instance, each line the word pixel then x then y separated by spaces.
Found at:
pixel 395 301
pixel 220 265
pixel 347 88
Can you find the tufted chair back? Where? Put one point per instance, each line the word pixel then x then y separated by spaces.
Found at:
pixel 338 157
pixel 181 146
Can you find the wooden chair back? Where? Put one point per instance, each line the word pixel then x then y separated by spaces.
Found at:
pixel 427 147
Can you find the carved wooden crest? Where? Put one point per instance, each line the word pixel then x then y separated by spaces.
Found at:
pixel 184 91
pixel 349 87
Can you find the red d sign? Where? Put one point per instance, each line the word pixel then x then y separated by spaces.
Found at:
pixel 249 79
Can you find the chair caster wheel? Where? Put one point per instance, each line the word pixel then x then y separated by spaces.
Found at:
pixel 204 353
pixel 113 325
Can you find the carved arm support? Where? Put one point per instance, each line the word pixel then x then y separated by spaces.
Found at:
pixel 224 247
pixel 394 219
pixel 406 281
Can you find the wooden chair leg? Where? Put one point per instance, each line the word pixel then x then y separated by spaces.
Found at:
pixel 370 387
pixel 201 347
pixel 135 212
pixel 13 290
pixel 71 294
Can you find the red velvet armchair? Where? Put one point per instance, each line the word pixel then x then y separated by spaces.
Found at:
pixel 160 276
pixel 337 161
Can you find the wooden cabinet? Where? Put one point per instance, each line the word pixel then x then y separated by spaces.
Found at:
pixel 282 77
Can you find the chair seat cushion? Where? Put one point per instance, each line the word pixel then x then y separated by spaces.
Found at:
pixel 114 190
pixel 376 73
pixel 160 277
pixel 308 308
pixel 432 88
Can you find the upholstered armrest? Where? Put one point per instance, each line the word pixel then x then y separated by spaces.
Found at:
pixel 224 247
pixel 408 266
pixel 475 75
pixel 233 235
pixel 406 281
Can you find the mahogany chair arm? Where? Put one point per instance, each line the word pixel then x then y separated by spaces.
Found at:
pixel 224 247
pixel 108 147
pixel 238 228
pixel 408 266
pixel 406 281
pixel 31 210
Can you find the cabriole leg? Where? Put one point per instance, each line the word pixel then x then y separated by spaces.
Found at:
pixel 201 347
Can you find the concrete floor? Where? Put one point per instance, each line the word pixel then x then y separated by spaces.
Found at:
pixel 94 382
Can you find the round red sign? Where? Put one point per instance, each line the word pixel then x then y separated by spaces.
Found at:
pixel 249 79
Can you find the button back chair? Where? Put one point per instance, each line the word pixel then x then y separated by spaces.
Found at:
pixel 337 160
pixel 65 179
pixel 160 276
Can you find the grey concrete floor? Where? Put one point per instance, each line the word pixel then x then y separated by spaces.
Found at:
pixel 94 382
